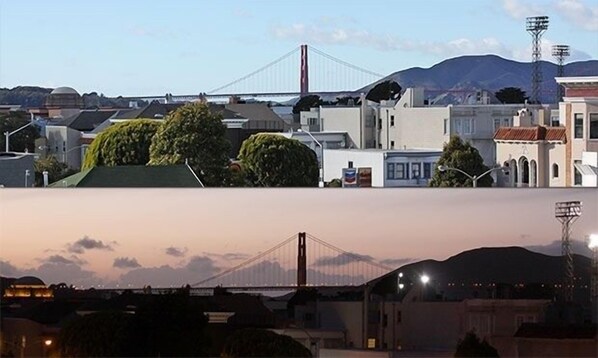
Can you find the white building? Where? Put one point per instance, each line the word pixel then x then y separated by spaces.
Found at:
pixel 563 156
pixel 390 168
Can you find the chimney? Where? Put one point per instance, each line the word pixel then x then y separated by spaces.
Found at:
pixel 45 174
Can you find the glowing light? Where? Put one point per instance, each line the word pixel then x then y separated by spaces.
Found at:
pixel 400 274
pixel 48 342
pixel 593 244
pixel 425 279
pixel 401 286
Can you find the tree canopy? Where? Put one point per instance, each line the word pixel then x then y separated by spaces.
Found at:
pixel 512 95
pixel 272 160
pixel 194 133
pixel 262 343
pixel 23 139
pixel 471 346
pixel 460 155
pixel 126 143
pixel 307 102
pixel 56 170
pixel 384 91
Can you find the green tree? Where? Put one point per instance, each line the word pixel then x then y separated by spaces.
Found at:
pixel 101 334
pixel 307 102
pixel 194 133
pixel 460 155
pixel 23 139
pixel 262 343
pixel 384 91
pixel 126 143
pixel 471 346
pixel 56 170
pixel 272 160
pixel 511 95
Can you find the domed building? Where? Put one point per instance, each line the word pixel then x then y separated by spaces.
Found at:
pixel 64 97
pixel 28 286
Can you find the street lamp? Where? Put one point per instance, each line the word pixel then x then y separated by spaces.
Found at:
pixel 425 279
pixel 7 134
pixel 321 184
pixel 474 178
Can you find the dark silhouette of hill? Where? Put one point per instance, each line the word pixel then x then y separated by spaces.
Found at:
pixel 487 72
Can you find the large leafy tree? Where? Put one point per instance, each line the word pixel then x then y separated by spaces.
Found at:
pixel 126 143
pixel 472 346
pixel 56 170
pixel 307 102
pixel 272 160
pixel 194 133
pixel 511 95
pixel 460 155
pixel 262 343
pixel 384 91
pixel 23 139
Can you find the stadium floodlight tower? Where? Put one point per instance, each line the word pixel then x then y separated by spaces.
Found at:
pixel 560 52
pixel 567 212
pixel 536 26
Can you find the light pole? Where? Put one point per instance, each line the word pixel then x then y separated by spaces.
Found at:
pixel 474 178
pixel 7 134
pixel 321 184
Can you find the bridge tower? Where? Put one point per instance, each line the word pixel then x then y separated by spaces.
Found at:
pixel 301 260
pixel 304 80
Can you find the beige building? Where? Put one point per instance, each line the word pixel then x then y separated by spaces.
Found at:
pixel 562 155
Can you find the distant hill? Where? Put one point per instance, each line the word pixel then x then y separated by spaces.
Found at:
pixel 486 72
pixel 500 266
pixel 31 96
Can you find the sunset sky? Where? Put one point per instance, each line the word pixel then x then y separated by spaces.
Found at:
pixel 162 236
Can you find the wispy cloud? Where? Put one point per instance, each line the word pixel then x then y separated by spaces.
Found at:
pixel 176 251
pixel 397 262
pixel 341 259
pixel 59 259
pixel 578 13
pixel 125 263
pixel 87 243
pixel 518 9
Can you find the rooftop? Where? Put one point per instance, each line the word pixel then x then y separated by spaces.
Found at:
pixel 536 133
pixel 132 176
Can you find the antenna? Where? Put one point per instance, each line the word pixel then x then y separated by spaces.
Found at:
pixel 560 52
pixel 567 212
pixel 536 26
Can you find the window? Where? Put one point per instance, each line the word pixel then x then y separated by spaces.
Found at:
pixel 506 122
pixel 390 171
pixel 392 121
pixel 427 171
pixel 555 170
pixel 578 125
pixel 446 126
pixel 399 316
pixel 458 126
pixel 577 176
pixel 593 125
pixel 416 170
pixel 554 122
pixel 466 126
pixel 392 144
pixel 496 124
pixel 313 121
pixel 371 343
pixel 350 164
pixel 64 146
pixel 400 171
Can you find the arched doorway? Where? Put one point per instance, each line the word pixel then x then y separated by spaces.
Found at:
pixel 523 172
pixel 533 176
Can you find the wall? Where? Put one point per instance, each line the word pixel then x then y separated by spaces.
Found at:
pixel 336 160
pixel 342 119
pixel 527 347
pixel 12 171
pixel 343 316
pixel 61 143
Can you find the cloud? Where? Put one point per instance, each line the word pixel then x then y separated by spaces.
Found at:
pixel 175 251
pixel 8 270
pixel 525 54
pixel 229 256
pixel 519 10
pixel 196 269
pixel 87 243
pixel 242 13
pixel 341 259
pixel 59 259
pixel 579 14
pixel 554 248
pixel 397 262
pixel 125 263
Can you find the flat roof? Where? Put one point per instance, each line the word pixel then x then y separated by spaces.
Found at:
pixel 389 151
pixel 577 80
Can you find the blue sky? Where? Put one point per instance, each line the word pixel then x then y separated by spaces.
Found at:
pixel 187 47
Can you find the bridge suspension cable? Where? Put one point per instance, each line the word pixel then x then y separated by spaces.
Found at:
pixel 344 63
pixel 350 254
